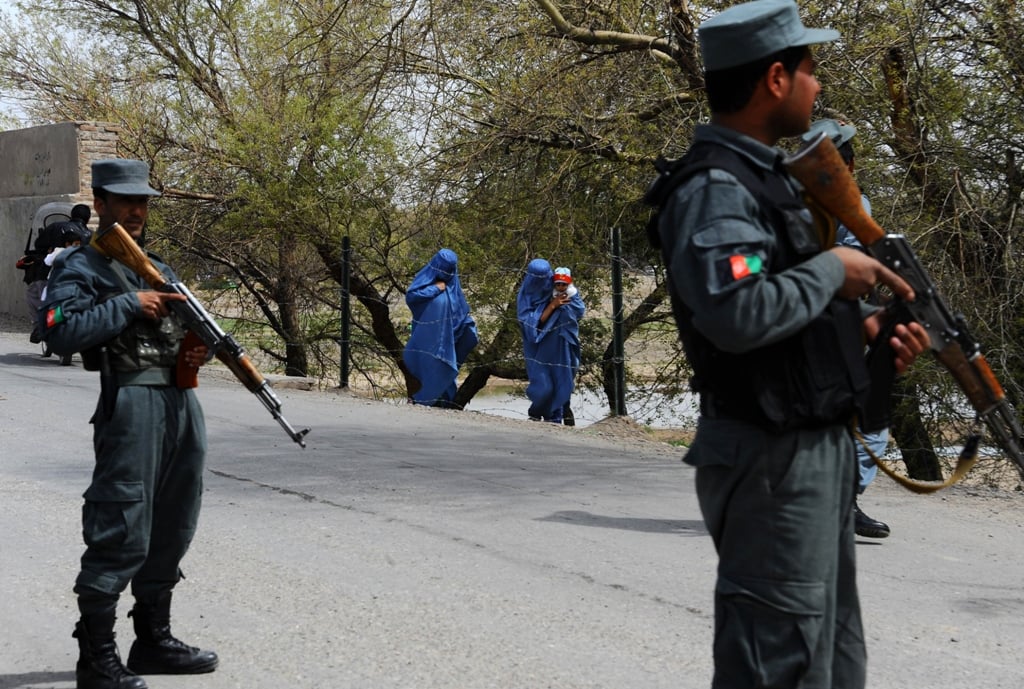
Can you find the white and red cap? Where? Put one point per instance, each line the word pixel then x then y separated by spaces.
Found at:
pixel 563 275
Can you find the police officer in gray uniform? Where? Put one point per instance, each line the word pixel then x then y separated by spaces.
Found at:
pixel 771 325
pixel 142 506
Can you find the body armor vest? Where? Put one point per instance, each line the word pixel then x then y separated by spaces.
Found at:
pixel 144 344
pixel 814 378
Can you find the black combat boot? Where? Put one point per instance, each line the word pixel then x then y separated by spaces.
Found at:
pixel 99 664
pixel 156 651
pixel 865 526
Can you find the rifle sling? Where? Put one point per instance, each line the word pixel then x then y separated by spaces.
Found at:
pixel 964 462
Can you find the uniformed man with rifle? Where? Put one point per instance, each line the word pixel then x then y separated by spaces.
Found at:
pixel 142 506
pixel 769 318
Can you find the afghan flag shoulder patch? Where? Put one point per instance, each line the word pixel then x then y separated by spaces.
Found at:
pixel 54 316
pixel 738 266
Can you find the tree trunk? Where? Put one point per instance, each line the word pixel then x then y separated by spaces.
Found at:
pixel 373 301
pixel 909 432
pixel 286 296
pixel 505 342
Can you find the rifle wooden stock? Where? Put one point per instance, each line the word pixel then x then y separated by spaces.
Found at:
pixel 824 174
pixel 115 243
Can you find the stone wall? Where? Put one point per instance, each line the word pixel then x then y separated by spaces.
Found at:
pixel 42 164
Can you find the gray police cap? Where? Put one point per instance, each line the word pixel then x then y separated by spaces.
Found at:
pixel 753 30
pixel 122 176
pixel 839 132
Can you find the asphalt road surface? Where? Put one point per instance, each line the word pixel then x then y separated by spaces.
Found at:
pixel 412 548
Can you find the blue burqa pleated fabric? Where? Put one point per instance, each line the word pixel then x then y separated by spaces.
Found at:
pixel 552 348
pixel 443 333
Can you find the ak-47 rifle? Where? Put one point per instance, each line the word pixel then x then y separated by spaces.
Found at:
pixel 825 176
pixel 115 243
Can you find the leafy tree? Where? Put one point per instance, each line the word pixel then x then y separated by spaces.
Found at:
pixel 938 111
pixel 538 142
pixel 934 89
pixel 264 123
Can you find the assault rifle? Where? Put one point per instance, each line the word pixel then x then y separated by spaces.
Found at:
pixel 114 242
pixel 825 176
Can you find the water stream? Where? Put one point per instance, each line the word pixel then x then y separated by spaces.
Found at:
pixel 645 407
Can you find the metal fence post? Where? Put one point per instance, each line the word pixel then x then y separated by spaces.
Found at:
pixel 618 344
pixel 346 313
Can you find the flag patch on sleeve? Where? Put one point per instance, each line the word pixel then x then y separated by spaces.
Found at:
pixel 54 316
pixel 738 266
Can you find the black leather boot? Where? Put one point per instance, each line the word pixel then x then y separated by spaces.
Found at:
pixel 99 664
pixel 156 651
pixel 865 526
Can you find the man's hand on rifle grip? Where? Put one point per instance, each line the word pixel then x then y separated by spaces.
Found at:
pixel 907 340
pixel 196 356
pixel 153 305
pixel 864 273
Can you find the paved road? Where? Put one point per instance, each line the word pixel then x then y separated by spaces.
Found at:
pixel 411 548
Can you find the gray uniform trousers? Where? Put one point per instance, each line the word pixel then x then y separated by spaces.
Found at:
pixel 779 509
pixel 142 507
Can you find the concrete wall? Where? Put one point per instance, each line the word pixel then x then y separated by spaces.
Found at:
pixel 38 165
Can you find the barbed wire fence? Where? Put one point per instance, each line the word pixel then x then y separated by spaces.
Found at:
pixel 344 350
pixel 650 383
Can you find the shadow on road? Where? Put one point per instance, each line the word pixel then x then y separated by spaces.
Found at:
pixel 38 680
pixel 680 526
pixel 28 359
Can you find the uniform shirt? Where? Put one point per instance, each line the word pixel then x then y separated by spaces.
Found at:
pixel 843 235
pixel 721 248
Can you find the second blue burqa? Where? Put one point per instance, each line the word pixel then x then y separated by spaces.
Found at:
pixel 552 348
pixel 443 333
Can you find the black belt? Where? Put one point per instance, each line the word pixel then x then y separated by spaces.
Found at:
pixel 148 376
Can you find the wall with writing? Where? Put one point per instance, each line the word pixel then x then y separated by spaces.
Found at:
pixel 39 161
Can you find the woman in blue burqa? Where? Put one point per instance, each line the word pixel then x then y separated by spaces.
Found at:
pixel 551 341
pixel 443 333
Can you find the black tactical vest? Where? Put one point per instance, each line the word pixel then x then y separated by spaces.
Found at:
pixel 143 344
pixel 814 378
